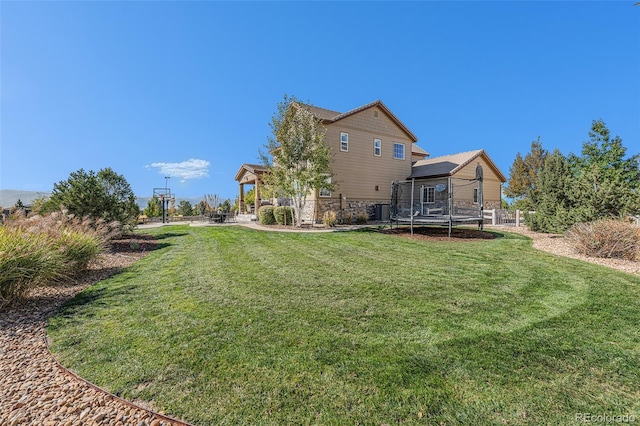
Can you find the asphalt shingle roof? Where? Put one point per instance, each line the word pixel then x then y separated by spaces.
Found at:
pixel 445 165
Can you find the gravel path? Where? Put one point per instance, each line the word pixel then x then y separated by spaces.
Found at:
pixel 36 390
pixel 556 244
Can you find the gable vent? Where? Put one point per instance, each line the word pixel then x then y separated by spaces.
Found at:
pixel 375 113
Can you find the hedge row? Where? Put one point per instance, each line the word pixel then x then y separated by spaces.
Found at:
pixel 282 215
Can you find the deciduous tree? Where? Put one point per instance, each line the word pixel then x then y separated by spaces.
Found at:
pixel 297 156
pixel 154 207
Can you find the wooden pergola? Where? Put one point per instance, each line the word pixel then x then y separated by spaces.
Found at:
pixel 250 174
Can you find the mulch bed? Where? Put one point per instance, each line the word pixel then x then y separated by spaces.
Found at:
pixel 440 233
pixel 132 245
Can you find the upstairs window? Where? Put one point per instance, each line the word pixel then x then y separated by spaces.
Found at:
pixel 398 151
pixel 377 147
pixel 344 141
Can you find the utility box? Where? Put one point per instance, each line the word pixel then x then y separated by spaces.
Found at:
pixel 381 212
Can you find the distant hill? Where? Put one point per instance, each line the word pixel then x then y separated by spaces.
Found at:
pixel 9 198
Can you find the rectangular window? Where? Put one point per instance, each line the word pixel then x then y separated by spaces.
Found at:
pixel 377 147
pixel 344 141
pixel 429 195
pixel 475 195
pixel 398 151
pixel 324 192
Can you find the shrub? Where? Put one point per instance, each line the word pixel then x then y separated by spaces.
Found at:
pixel 329 219
pixel 26 260
pixel 347 219
pixel 78 249
pixel 283 215
pixel 265 215
pixel 46 249
pixel 362 219
pixel 606 238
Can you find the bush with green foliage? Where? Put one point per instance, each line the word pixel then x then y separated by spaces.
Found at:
pixel 265 215
pixel 362 219
pixel 284 215
pixel 607 238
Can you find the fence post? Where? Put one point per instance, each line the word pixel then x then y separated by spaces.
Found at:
pixel 517 218
pixel 494 217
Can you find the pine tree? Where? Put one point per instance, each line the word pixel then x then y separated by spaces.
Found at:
pixel 523 177
pixel 554 208
pixel 607 183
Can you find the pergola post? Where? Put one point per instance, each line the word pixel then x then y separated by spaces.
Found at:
pixel 241 202
pixel 257 201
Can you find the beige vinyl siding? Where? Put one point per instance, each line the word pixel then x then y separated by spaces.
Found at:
pixel 490 185
pixel 358 171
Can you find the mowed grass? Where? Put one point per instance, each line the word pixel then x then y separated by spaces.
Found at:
pixel 229 325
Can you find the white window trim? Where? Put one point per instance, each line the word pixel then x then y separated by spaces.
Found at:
pixel 377 142
pixel 394 151
pixel 344 145
pixel 323 192
pixel 425 191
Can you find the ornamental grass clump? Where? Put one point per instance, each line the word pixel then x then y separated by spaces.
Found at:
pixel 606 239
pixel 329 219
pixel 47 249
pixel 26 260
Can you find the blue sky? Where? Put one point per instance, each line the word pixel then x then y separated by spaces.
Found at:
pixel 186 89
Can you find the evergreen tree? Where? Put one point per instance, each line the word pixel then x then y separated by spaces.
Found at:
pixel 553 210
pixel 523 177
pixel 185 208
pixel 607 183
pixel 103 195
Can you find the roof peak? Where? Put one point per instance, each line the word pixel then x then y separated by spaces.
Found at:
pixel 330 116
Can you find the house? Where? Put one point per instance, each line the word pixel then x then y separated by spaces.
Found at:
pixel 371 149
pixel 250 174
pixel 460 173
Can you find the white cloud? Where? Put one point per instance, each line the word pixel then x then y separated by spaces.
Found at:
pixel 185 170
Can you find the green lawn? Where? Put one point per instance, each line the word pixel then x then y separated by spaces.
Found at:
pixel 234 326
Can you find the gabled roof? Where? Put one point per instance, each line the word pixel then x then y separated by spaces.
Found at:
pixel 448 165
pixel 416 150
pixel 256 169
pixel 328 116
